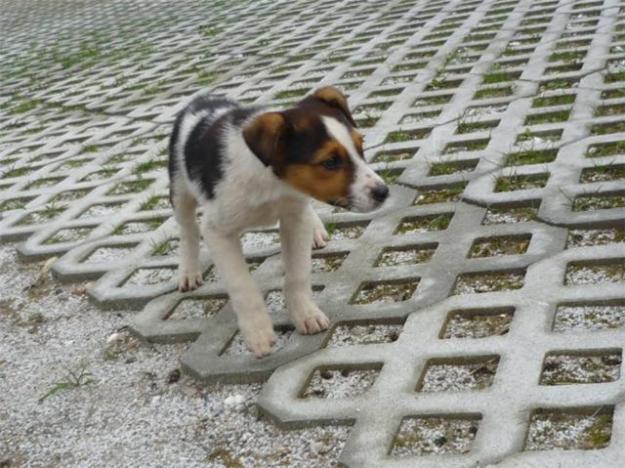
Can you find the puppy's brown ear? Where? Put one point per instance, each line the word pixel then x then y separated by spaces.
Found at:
pixel 333 97
pixel 263 136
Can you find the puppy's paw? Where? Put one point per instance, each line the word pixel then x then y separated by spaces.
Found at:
pixel 320 236
pixel 258 335
pixel 189 280
pixel 309 319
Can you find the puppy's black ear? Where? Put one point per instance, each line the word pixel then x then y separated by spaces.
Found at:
pixel 263 136
pixel 333 97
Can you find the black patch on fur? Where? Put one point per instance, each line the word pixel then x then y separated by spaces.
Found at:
pixel 172 164
pixel 302 144
pixel 203 152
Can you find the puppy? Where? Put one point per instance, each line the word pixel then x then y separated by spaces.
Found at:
pixel 249 167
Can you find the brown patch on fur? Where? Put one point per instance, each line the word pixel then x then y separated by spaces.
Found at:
pixel 358 140
pixel 334 98
pixel 262 136
pixel 326 185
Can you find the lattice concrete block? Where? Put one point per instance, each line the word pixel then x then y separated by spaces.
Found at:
pixel 501 408
pixel 499 125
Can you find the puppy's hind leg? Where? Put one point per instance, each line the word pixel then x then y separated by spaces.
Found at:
pixel 189 270
pixel 320 234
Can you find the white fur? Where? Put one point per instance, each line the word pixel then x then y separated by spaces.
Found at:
pixel 250 195
pixel 365 178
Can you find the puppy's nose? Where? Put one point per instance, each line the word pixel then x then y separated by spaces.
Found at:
pixel 379 193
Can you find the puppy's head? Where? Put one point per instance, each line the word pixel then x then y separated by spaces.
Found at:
pixel 315 148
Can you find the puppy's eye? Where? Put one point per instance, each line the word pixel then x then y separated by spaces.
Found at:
pixel 333 163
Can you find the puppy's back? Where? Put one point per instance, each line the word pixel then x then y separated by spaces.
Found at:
pixel 196 148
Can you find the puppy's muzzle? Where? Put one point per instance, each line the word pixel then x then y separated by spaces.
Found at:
pixel 380 193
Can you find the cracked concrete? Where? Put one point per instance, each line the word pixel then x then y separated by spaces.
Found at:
pixel 446 84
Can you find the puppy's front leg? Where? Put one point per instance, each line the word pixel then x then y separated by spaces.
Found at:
pixel 296 232
pixel 252 316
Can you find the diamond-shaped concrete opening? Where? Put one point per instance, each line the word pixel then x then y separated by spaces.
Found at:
pixel 109 253
pixel 14 203
pixel 69 235
pixel 603 201
pixel 455 167
pixel 336 381
pixel 521 182
pixel 406 255
pixel 441 194
pixel 589 316
pixel 437 222
pixel 44 183
pixel 362 333
pixel 390 176
pixel 133 186
pixel 528 137
pixel 101 209
pixel 590 237
pixel 41 216
pixel 570 429
pixel 407 135
pixel 323 263
pixel 523 158
pixel 194 308
pixel 606 149
pixel 344 231
pixel 385 292
pixel 605 173
pixel 476 283
pixel 410 119
pixel 548 117
pixel 595 272
pixel 607 128
pixel 493 92
pixel 237 346
pixel 150 276
pixel 511 214
pixel 466 126
pixel 70 195
pixel 580 367
pixel 500 245
pixel 458 374
pixel 433 435
pixel 433 100
pixel 138 227
pixel 169 247
pixel 477 323
pixel 466 145
pixel 395 155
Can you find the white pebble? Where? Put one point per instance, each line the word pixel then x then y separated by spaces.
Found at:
pixel 235 402
pixel 318 447
pixel 114 338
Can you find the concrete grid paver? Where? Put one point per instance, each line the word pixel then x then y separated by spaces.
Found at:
pixel 467 108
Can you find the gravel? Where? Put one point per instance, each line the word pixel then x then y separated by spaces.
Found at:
pixel 476 283
pixel 339 383
pixel 595 273
pixel 591 317
pixel 569 431
pixel 590 237
pixel 131 407
pixel 563 369
pixel 426 436
pixel 349 335
pixel 459 377
pixel 475 325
